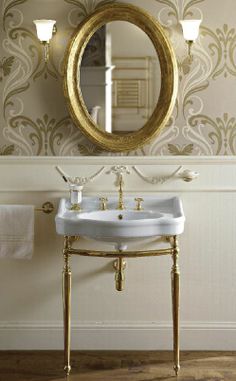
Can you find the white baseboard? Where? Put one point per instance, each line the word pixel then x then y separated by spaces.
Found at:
pixel 118 336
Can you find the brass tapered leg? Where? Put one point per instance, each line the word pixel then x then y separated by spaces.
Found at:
pixel 175 279
pixel 66 292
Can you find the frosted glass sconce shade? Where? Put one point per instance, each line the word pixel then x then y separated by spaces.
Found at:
pixel 191 33
pixel 190 29
pixel 44 29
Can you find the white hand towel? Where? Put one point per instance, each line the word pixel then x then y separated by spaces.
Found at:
pixel 16 231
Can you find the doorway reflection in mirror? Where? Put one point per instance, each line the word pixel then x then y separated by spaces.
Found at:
pixel 120 77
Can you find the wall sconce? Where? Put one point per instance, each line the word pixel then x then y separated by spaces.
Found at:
pixel 45 30
pixel 191 33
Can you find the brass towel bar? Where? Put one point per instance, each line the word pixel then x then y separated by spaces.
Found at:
pixel 47 208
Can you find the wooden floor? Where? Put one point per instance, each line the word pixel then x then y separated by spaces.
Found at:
pixel 117 366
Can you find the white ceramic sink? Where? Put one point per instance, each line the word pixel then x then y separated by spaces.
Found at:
pixel 160 216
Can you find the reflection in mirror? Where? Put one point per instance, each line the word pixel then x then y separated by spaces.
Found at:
pixel 120 77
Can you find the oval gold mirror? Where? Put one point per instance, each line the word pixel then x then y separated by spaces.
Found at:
pixel 120 98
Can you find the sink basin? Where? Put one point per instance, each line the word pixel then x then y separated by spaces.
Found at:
pixel 160 216
pixel 118 215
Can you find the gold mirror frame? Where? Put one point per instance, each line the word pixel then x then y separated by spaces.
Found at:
pixel 169 77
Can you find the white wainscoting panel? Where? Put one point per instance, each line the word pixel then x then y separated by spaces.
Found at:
pixel 140 317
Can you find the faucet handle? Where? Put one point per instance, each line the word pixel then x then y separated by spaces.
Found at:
pixel 103 205
pixel 139 201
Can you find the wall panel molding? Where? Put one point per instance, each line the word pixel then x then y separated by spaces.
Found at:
pixel 217 174
pixel 118 336
pixel 129 160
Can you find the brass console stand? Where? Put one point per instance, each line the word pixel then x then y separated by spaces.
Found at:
pixel 173 250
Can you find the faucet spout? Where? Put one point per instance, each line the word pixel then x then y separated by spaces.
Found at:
pixel 121 205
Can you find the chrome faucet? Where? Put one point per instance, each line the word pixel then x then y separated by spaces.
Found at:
pixel 121 205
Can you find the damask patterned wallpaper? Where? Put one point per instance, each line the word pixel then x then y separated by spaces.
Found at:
pixel 34 117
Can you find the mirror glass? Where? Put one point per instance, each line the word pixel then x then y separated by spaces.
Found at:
pixel 120 77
